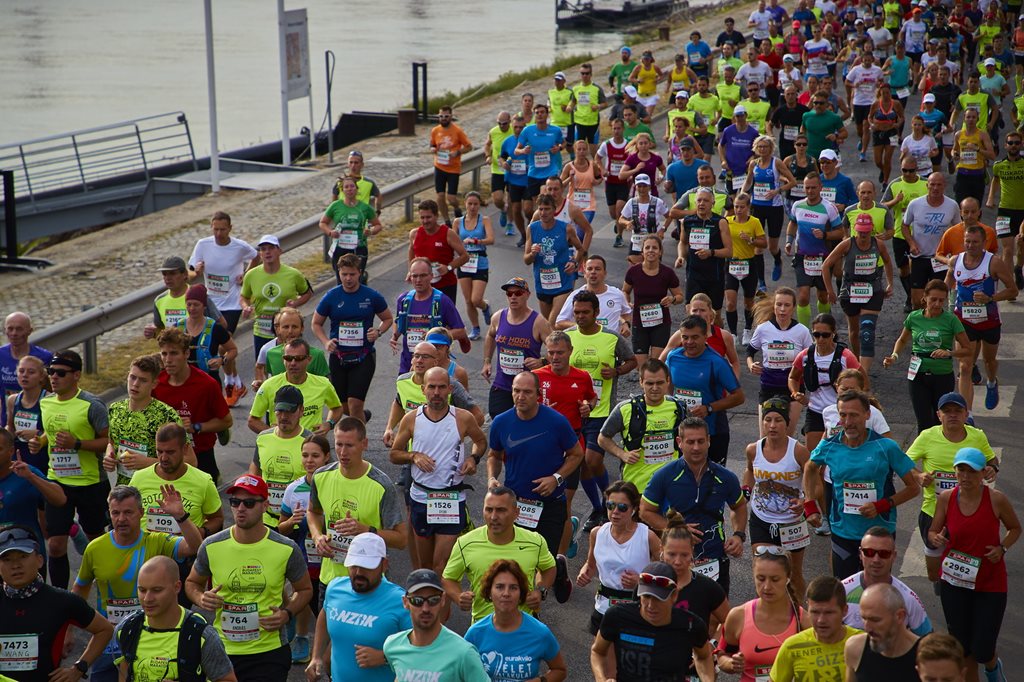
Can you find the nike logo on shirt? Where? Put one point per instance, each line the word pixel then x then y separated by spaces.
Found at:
pixel 513 442
pixel 759 650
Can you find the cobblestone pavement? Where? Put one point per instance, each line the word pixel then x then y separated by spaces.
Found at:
pixel 115 261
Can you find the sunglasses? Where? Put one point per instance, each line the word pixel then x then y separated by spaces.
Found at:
pixel 15 534
pixel 870 553
pixel 1014 142
pixel 612 506
pixel 822 335
pixel 585 73
pixel 515 293
pixel 356 153
pixel 800 144
pixel 420 601
pixel 657 580
pixel 248 502
pixel 774 550
pixel 294 358
pixel 909 170
pixel 59 372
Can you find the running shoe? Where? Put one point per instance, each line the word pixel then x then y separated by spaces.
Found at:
pixel 300 650
pixel 762 290
pixel 488 313
pixel 236 394
pixel 991 395
pixel 474 335
pixel 574 544
pixel 881 178
pixel 970 420
pixel 289 630
pixel 863 158
pixel 503 219
pixel 510 230
pixel 777 271
pixel 367 416
pixel 858 146
pixel 996 674
pixel 746 337
pixel 597 518
pixel 563 586
pixel 976 376
pixel 618 241
pixel 824 530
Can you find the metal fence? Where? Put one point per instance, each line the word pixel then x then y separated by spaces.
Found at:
pixel 84 327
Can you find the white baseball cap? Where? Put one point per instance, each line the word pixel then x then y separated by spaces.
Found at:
pixel 269 239
pixel 829 154
pixel 630 90
pixel 990 62
pixel 928 98
pixel 642 179
pixel 366 551
pixel 559 75
pixel 739 109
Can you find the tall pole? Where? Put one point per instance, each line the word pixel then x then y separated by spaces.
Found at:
pixel 211 95
pixel 286 145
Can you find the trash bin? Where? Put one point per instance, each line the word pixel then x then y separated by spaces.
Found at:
pixel 663 32
pixel 407 122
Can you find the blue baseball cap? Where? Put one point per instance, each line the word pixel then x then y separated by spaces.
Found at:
pixel 952 398
pixel 972 457
pixel 625 48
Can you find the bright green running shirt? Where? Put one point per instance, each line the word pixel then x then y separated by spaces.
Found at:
pixel 936 454
pixel 83 416
pixel 910 191
pixel 280 463
pixel 497 136
pixel 268 293
pixel 199 496
pixel 1011 183
pixel 135 432
pixel 709 107
pixel 351 221
pixel 317 392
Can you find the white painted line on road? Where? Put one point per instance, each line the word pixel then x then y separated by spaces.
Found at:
pixel 1007 394
pixel 1011 347
pixel 913 557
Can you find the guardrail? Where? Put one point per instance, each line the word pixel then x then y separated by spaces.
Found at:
pixel 87 325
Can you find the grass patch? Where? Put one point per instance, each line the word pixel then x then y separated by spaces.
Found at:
pixel 113 364
pixel 505 82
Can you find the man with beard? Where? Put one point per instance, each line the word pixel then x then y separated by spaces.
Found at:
pixel 887 649
pixel 360 612
pixel 448 142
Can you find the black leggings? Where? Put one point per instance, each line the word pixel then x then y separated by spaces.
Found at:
pixel 974 618
pixel 925 391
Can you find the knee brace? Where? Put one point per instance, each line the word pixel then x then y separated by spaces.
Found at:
pixel 867 335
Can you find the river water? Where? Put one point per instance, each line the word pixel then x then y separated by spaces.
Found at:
pixel 70 64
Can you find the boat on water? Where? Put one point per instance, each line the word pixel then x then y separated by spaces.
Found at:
pixel 604 13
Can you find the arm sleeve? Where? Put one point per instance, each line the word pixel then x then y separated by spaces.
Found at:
pixel 314 498
pixel 85 572
pixel 565 314
pixel 613 423
pixel 260 403
pixel 296 567
pixel 215 661
pixel 261 359
pixel 623 348
pixel 202 562
pixel 324 306
pixel 78 610
pixel 331 399
pixel 494 435
pixel 391 512
pixel 212 311
pixel 98 417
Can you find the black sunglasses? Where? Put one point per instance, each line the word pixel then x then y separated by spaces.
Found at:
pixel 15 534
pixel 294 358
pixel 621 506
pixel 420 601
pixel 59 372
pixel 249 502
pixel 823 335
pixel 909 170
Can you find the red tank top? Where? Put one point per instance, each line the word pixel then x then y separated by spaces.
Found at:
pixel 436 248
pixel 616 158
pixel 971 535
pixel 716 340
pixel 759 649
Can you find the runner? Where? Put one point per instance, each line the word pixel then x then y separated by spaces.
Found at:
pixel 346 222
pixel 496 138
pixel 269 287
pixel 767 179
pixel 17 329
pixel 448 142
pixel 24 416
pixel 210 344
pixel 1008 183
pixel 817 650
pixel 972 151
pixel 588 100
pixel 612 155
pixel 897 197
pixel 288 325
pixel 318 395
pixel 816 221
pixel 26 490
pixel 642 215
pixel 519 204
pixel 939 658
pixel 421 308
pixel 277 458
pixel 735 147
pixel 169 306
pixel 547 251
pixel 705 245
pixel 748 236
pixel 619 74
pixel 615 312
pixel 645 77
pixel 368 192
pixel 885 122
pixel 864 81
pixel 441 245
pixel 824 128
pixel 542 143
pixel 924 221
pixel 652 287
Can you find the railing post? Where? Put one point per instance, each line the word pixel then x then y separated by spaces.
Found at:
pixel 408 209
pixel 90 356
pixel 10 216
pixel 476 178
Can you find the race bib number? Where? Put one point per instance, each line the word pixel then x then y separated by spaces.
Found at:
pixel 240 622
pixel 435 273
pixel 413 337
pixel 739 268
pixel 795 536
pixel 692 398
pixel 444 157
pixel 651 315
pixel 159 521
pixel 598 385
pixel 790 132
pixel 312 555
pixel 1003 226
pixel 861 292
pixel 25 421
pixel 581 197
pixel 797 191
pixel 700 238
pixel 218 284
pixel 471 266
pixel 443 508
pixel 659 448
pixel 351 334
pixel 762 673
pixel 913 368
pixel 974 312
pixel 517 166
pixel 864 265
pixel 738 182
pixel 709 568
pixel 961 570
pixel 636 240
pixel 542 159
pixel 119 609
pixel 529 513
pixel 943 481
pixel 761 190
pixel 779 355
pixel 276 496
pixel 340 544
pixel 511 361
pixel 125 447
pixel 66 463
pixel 894 140
pixel 902 93
pixel 969 156
pixel 348 240
pixel 264 326
pixel 583 98
pixel 174 316
pixel 828 193
pixel 938 266
pixel 857 494
pixel 812 265
pixel 19 652
pixel 615 167
pixel 550 278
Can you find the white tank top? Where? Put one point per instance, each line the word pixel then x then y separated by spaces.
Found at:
pixel 776 485
pixel 441 442
pixel 613 558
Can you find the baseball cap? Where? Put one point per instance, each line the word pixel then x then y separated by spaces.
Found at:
pixel 686 144
pixel 990 62
pixel 829 154
pixel 438 340
pixel 797 24
pixel 864 223
pixel 250 484
pixel 788 58
pixel 18 540
pixel 917 10
pixel 420 578
pixel 173 264
pixel 682 94
pixel 859 21
pixel 559 76
pixel 647 55
pixel 953 398
pixel 366 551
pixel 658 579
pixel 739 109
pixel 642 179
pixel 519 282
pixel 626 50
pixel 928 98
pixel 67 358
pixel 630 90
pixel 972 457
pixel 269 239
pixel 288 399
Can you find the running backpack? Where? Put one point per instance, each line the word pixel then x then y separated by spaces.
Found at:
pixel 811 370
pixel 202 347
pixel 638 420
pixel 190 645
pixel 402 323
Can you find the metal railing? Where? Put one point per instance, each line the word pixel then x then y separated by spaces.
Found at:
pixel 84 327
pixel 80 159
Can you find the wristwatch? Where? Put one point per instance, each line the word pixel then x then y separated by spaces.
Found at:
pixel 543 593
pixel 82 667
pixel 741 535
pixel 372 529
pixel 182 520
pixel 558 478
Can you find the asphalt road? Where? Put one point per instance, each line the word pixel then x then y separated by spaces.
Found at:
pixel 569 621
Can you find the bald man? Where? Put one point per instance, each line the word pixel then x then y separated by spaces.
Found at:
pixel 146 636
pixel 17 327
pixel 887 649
pixel 430 438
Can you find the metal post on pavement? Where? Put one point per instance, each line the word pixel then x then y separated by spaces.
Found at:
pixel 329 69
pixel 90 356
pixel 211 94
pixel 286 143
